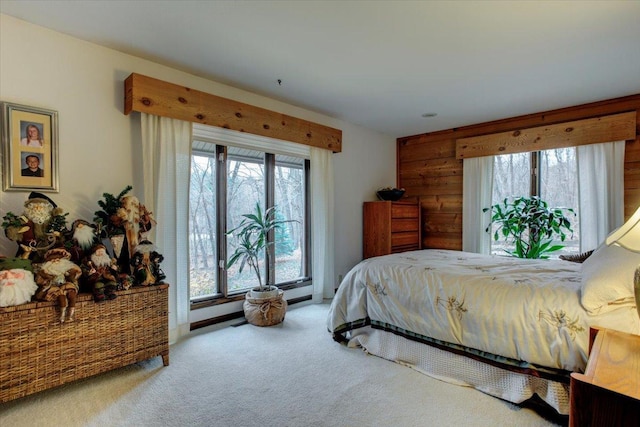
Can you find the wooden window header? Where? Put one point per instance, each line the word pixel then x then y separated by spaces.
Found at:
pixel 616 127
pixel 148 95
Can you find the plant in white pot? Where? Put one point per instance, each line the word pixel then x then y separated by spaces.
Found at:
pixel 252 242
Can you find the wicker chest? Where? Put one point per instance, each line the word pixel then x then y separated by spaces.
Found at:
pixel 37 352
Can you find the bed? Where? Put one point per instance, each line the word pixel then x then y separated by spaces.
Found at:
pixel 509 327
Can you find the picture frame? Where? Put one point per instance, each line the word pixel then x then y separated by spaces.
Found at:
pixel 30 155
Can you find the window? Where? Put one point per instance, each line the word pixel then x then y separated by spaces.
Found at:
pixel 550 174
pixel 202 225
pixel 245 188
pixel 290 198
pixel 227 182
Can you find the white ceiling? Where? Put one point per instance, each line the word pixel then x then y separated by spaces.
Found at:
pixel 378 64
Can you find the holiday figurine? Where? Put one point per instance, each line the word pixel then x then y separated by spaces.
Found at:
pixel 81 239
pixel 100 273
pixel 16 286
pixel 57 279
pixel 146 265
pixel 40 227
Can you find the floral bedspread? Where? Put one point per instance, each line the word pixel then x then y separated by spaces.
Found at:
pixel 523 310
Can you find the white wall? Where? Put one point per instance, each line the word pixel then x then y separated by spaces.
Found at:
pixel 99 150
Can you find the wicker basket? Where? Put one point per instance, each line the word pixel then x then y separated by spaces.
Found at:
pixel 265 311
pixel 37 352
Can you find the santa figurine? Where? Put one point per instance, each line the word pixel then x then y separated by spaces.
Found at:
pixel 83 238
pixel 100 272
pixel 146 265
pixel 39 227
pixel 57 279
pixel 16 287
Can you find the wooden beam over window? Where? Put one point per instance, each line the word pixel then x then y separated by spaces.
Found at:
pixel 148 95
pixel 616 127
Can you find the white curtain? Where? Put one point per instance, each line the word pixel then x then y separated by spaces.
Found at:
pixel 166 157
pixel 601 191
pixel 322 264
pixel 477 189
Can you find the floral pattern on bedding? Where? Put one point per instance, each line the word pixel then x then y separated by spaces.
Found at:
pixel 523 310
pixel 453 304
pixel 561 321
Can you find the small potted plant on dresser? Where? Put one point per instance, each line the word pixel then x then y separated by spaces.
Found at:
pixel 264 305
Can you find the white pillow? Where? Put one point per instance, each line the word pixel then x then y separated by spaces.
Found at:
pixel 607 279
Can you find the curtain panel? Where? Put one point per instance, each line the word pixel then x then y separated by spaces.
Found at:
pixel 322 199
pixel 166 162
pixel 600 191
pixel 477 187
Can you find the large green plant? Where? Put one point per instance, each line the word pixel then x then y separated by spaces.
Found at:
pixel 251 235
pixel 531 225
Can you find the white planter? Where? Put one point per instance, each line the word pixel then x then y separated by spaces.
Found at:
pixel 257 294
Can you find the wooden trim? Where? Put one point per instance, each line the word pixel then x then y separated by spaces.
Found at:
pixel 616 127
pixel 148 95
pixel 561 115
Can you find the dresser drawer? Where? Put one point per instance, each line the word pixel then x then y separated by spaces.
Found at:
pixel 404 224
pixel 405 211
pixel 404 239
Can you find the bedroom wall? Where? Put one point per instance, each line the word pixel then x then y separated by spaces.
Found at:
pixel 428 168
pixel 98 143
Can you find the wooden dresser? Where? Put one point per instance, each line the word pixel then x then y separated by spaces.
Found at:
pixel 608 393
pixel 391 227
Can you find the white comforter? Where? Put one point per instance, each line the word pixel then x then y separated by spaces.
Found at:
pixel 525 310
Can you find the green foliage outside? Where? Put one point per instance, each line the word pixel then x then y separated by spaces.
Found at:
pixel 530 224
pixel 285 245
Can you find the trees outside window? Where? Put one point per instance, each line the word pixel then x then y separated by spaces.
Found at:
pixel 551 175
pixel 227 182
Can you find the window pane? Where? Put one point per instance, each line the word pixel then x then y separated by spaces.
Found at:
pixel 245 188
pixel 559 188
pixel 202 229
pixel 511 179
pixel 289 200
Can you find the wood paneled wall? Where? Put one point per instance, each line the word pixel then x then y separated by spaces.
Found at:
pixel 427 166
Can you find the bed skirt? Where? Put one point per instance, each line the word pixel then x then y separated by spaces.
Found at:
pixel 461 370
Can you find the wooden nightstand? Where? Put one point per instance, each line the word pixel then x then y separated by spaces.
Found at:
pixel 608 393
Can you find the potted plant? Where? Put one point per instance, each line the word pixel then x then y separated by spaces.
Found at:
pixel 531 224
pixel 252 238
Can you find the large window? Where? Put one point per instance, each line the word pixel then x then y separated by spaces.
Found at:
pixel 227 182
pixel 550 174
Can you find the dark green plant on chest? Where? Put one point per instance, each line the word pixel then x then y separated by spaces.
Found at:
pixel 530 224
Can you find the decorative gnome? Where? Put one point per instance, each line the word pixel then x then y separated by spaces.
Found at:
pixel 83 238
pixel 129 216
pixel 16 287
pixel 38 228
pixel 100 272
pixel 57 278
pixel 146 265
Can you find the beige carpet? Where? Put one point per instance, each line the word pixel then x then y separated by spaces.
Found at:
pixel 292 374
